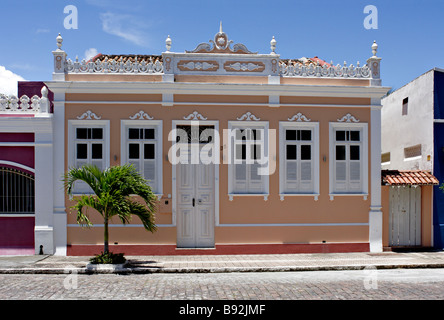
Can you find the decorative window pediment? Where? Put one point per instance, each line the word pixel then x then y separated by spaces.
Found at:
pixel 195 116
pixel 141 115
pixel 248 117
pixel 299 117
pixel 89 115
pixel 348 118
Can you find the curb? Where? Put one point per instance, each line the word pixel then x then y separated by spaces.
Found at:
pixel 129 270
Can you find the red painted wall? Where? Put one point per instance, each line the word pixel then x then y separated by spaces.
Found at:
pixel 16 137
pixel 16 232
pixel 22 155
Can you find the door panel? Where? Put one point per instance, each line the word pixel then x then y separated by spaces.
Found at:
pixel 405 216
pixel 195 205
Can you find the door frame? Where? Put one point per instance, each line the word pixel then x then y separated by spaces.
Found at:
pixel 214 123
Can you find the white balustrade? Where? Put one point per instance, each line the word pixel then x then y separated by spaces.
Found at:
pixel 291 69
pixel 24 104
pixel 112 66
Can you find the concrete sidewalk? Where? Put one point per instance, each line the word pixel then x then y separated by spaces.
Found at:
pixel 44 264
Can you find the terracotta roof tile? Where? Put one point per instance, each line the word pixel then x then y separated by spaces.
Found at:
pixel 407 177
pixel 125 57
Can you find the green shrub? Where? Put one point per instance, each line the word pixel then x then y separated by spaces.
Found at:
pixel 108 258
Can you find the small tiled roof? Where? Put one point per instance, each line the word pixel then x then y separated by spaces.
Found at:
pixel 307 61
pixel 407 177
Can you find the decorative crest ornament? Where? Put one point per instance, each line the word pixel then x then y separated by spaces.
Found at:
pixel 348 118
pixel 89 115
pixel 221 44
pixel 195 116
pixel 141 115
pixel 299 117
pixel 248 117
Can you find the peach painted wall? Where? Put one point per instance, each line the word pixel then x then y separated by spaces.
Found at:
pixel 426 215
pixel 242 210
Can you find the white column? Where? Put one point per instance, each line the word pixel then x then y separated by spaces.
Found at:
pixel 60 216
pixel 375 214
pixel 44 225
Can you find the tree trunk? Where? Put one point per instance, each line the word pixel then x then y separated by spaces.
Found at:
pixel 106 245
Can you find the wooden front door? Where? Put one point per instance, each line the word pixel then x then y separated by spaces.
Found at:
pixel 405 216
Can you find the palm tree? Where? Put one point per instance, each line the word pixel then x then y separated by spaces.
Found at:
pixel 113 190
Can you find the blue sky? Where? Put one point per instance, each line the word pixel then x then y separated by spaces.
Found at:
pixel 409 35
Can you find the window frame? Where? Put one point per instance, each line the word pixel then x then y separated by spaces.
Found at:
pixel 405 106
pixel 314 127
pixel 364 158
pixel 232 125
pixel 72 142
pixel 144 124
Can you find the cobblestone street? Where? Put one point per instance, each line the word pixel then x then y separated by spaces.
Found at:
pixel 395 284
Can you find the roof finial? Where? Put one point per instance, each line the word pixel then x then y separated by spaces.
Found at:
pixel 220 29
pixel 273 45
pixel 168 43
pixel 59 42
pixel 374 48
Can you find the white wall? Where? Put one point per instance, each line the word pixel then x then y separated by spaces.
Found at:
pixel 399 132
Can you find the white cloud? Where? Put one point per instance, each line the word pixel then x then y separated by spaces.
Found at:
pixel 90 53
pixel 8 81
pixel 124 26
pixel 42 31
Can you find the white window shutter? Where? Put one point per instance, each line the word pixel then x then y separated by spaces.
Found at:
pixel 149 173
pixel 306 171
pixel 292 171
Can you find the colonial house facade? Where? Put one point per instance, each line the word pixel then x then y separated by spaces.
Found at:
pixel 247 152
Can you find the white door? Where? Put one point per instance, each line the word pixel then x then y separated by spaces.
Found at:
pixel 405 216
pixel 195 204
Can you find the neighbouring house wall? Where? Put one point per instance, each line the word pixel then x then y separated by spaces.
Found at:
pixel 438 168
pixel 16 231
pixel 403 131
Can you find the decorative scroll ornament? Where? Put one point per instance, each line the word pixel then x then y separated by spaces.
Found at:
pixel 89 115
pixel 195 116
pixel 198 65
pixel 221 44
pixel 240 66
pixel 348 118
pixel 248 117
pixel 141 115
pixel 299 117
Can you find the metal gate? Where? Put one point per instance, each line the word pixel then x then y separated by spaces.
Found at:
pixel 16 192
